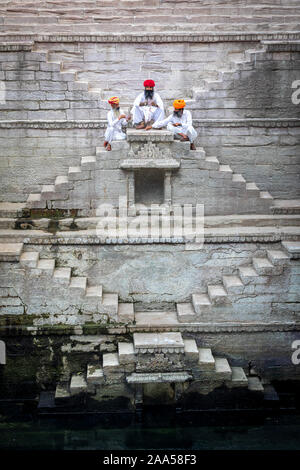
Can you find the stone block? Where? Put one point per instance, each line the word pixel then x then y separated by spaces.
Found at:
pixel 126 353
pixel 191 350
pixel 78 384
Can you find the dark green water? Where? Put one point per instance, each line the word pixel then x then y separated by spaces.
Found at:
pixel 86 433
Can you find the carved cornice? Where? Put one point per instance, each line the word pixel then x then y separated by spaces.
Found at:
pixel 102 123
pixel 54 124
pixel 152 37
pixel 91 239
pixel 228 327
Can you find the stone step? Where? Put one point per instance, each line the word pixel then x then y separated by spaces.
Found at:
pixel 74 173
pixel 88 163
pixel 126 353
pixel 191 350
pixel 233 284
pixel 29 259
pixel 226 170
pixel 252 190
pixel 248 274
pixel 62 393
pixel 111 363
pixel 223 368
pixel 263 266
pixel 238 378
pixel 62 276
pixel 78 285
pixel 210 163
pixel 157 342
pixel 35 201
pixel 217 294
pixel 94 292
pixel 201 303
pixel 206 360
pixel 48 191
pixel 62 183
pixel 255 385
pixel 10 251
pixel 126 312
pixel 44 266
pixel 110 303
pixel 185 312
pixel 292 248
pixel 238 180
pixel 94 375
pixel 278 257
pixel 265 195
pixel 78 384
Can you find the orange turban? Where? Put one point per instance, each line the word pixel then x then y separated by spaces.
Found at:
pixel 114 100
pixel 179 104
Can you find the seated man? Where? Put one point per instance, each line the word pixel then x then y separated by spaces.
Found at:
pixel 180 123
pixel 116 119
pixel 147 107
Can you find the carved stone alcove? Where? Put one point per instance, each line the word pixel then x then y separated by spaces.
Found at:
pixel 149 174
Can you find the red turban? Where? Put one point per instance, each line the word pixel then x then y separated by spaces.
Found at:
pixel 114 100
pixel 150 83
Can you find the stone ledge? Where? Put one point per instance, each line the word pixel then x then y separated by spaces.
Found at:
pixel 152 37
pixel 160 163
pixel 102 124
pixel 136 135
pixel 225 327
pixel 214 235
pixel 159 377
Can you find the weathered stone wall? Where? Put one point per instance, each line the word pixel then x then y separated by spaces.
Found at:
pixel 270 156
pixel 154 277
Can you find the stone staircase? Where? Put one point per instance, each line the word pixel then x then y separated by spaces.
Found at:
pixel 64 187
pixel 158 358
pixel 74 289
pixel 250 280
pixel 156 16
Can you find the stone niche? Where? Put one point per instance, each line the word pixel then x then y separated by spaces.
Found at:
pixel 149 166
pixel 149 186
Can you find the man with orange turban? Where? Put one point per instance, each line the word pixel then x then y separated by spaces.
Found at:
pixel 116 120
pixel 147 107
pixel 180 123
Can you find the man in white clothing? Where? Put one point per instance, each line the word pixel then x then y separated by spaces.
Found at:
pixel 148 107
pixel 116 120
pixel 180 123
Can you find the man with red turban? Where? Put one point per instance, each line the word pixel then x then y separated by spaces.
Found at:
pixel 180 123
pixel 116 120
pixel 147 107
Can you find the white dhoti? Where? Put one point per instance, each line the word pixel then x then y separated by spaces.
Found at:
pixel 114 129
pixel 187 130
pixel 147 114
pixel 112 133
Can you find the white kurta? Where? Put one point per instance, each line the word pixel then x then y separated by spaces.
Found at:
pixel 147 113
pixel 186 124
pixel 114 128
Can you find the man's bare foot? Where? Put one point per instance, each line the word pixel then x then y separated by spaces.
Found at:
pixel 105 143
pixel 193 146
pixel 140 126
pixel 108 147
pixel 148 128
pixel 184 137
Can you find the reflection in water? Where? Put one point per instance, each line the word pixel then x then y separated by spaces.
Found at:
pixel 168 432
